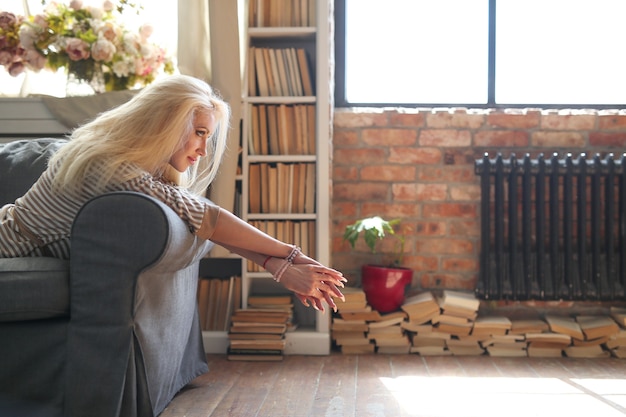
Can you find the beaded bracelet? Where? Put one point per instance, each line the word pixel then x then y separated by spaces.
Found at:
pixel 295 251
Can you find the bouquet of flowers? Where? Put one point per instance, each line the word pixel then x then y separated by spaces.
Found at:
pixel 12 55
pixel 90 43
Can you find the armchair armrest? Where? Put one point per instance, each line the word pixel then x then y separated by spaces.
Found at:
pixel 133 282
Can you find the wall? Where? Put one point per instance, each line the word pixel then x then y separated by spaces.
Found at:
pixel 418 165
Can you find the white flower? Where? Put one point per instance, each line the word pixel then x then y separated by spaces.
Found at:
pixel 103 50
pixel 121 68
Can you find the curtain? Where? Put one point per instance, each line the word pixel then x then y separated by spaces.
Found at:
pixel 209 49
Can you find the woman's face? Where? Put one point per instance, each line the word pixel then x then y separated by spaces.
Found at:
pixel 195 144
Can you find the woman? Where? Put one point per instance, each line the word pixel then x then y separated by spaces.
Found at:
pixel 155 144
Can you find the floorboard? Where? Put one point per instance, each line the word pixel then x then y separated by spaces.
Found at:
pixel 339 385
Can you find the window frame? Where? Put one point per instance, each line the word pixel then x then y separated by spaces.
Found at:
pixel 340 75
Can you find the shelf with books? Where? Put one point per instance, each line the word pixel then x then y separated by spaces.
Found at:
pixel 285 168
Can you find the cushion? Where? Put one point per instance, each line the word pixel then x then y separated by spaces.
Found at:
pixel 34 288
pixel 21 163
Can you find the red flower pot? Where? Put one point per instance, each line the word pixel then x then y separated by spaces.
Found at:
pixel 384 286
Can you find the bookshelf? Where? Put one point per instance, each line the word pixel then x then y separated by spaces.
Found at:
pixel 285 145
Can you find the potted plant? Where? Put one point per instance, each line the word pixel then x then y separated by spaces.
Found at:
pixel 384 284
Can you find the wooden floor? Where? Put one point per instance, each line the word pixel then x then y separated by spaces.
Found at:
pixel 405 385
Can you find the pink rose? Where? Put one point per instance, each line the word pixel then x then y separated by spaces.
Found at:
pixel 16 69
pixel 77 49
pixel 6 57
pixel 7 20
pixel 146 31
pixel 108 6
pixel 76 4
pixel 108 30
pixel 34 60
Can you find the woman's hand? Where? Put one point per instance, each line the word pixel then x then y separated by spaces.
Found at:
pixel 310 281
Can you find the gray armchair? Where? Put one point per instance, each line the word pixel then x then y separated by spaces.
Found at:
pixel 113 331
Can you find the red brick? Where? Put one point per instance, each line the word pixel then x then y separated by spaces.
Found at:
pixel 407 117
pixel 445 138
pixel 446 174
pixel 459 119
pixel 421 263
pixel 362 191
pixel 612 122
pixel 387 173
pixel 500 138
pixel 345 137
pixel 465 193
pixel 415 155
pixel 345 173
pixel 557 121
pixel 424 228
pixel 389 137
pixel 469 228
pixel 558 140
pixel 451 210
pixel 444 246
pixel 460 265
pixel 447 281
pixel 521 120
pixel 419 192
pixel 390 210
pixel 359 118
pixel 613 140
pixel 359 156
pixel 345 209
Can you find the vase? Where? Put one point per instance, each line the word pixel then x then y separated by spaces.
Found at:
pixel 385 287
pixel 78 86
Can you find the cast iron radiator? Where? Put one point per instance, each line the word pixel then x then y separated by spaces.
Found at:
pixel 552 229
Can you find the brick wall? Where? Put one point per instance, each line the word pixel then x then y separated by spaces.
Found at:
pixel 418 165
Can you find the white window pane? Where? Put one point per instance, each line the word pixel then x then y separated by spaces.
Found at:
pixel 416 51
pixel 560 52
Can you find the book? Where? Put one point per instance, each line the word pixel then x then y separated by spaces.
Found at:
pixel 305 73
pixel 507 350
pixel 556 339
pixel 491 325
pixel 459 300
pixel 619 315
pixel 565 325
pixel 203 301
pixel 466 350
pixel 528 326
pixel 594 327
pixel 256 300
pixel 393 350
pixel 389 319
pixel 358 349
pixel 430 350
pixel 421 307
pixel 261 74
pixel 593 351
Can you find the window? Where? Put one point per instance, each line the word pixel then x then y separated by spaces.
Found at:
pixel 481 53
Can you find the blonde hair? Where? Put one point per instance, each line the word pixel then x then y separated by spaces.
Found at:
pixel 145 132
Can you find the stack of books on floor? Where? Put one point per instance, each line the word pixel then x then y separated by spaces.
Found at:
pixel 257 333
pixel 451 325
pixel 388 335
pixel 350 325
